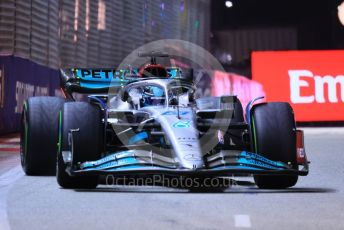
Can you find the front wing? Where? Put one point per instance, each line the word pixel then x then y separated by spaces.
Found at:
pixel 224 163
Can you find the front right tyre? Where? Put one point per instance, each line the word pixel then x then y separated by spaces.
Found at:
pixel 274 137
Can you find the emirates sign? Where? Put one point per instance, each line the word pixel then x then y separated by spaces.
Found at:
pixel 311 81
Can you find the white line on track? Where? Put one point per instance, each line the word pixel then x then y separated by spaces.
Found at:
pixel 6 181
pixel 242 221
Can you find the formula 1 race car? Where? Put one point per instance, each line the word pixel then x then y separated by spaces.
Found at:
pixel 147 122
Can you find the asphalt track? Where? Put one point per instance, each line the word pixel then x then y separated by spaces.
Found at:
pixel 316 202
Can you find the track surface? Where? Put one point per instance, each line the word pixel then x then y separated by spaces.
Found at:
pixel 316 202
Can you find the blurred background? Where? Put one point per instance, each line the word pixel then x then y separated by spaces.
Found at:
pixel 258 42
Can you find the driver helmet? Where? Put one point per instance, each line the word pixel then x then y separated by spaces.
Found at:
pixel 153 70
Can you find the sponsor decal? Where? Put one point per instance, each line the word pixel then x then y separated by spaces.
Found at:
pixel 24 91
pixel 99 74
pixel 298 81
pixel 311 81
pixel 108 75
pixel 181 124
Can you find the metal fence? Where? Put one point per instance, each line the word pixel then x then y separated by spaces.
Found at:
pixel 66 33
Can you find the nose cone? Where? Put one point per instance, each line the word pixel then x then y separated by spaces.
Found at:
pixel 183 136
pixel 190 155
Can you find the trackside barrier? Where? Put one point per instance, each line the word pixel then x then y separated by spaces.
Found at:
pixel 20 79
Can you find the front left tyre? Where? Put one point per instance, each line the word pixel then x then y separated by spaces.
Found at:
pixel 86 121
pixel 38 136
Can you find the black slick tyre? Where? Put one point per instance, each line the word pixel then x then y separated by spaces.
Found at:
pixel 86 118
pixel 38 137
pixel 274 137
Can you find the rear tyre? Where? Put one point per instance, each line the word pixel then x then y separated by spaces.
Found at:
pixel 274 137
pixel 87 146
pixel 39 135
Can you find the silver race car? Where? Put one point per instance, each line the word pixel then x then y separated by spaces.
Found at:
pixel 148 122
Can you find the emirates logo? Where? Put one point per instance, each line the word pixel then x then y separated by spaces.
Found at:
pixel 325 87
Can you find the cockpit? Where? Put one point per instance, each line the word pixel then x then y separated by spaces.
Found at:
pixel 155 94
pixel 148 95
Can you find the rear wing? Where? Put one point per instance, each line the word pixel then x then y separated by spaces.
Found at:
pixel 99 81
pixel 90 81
